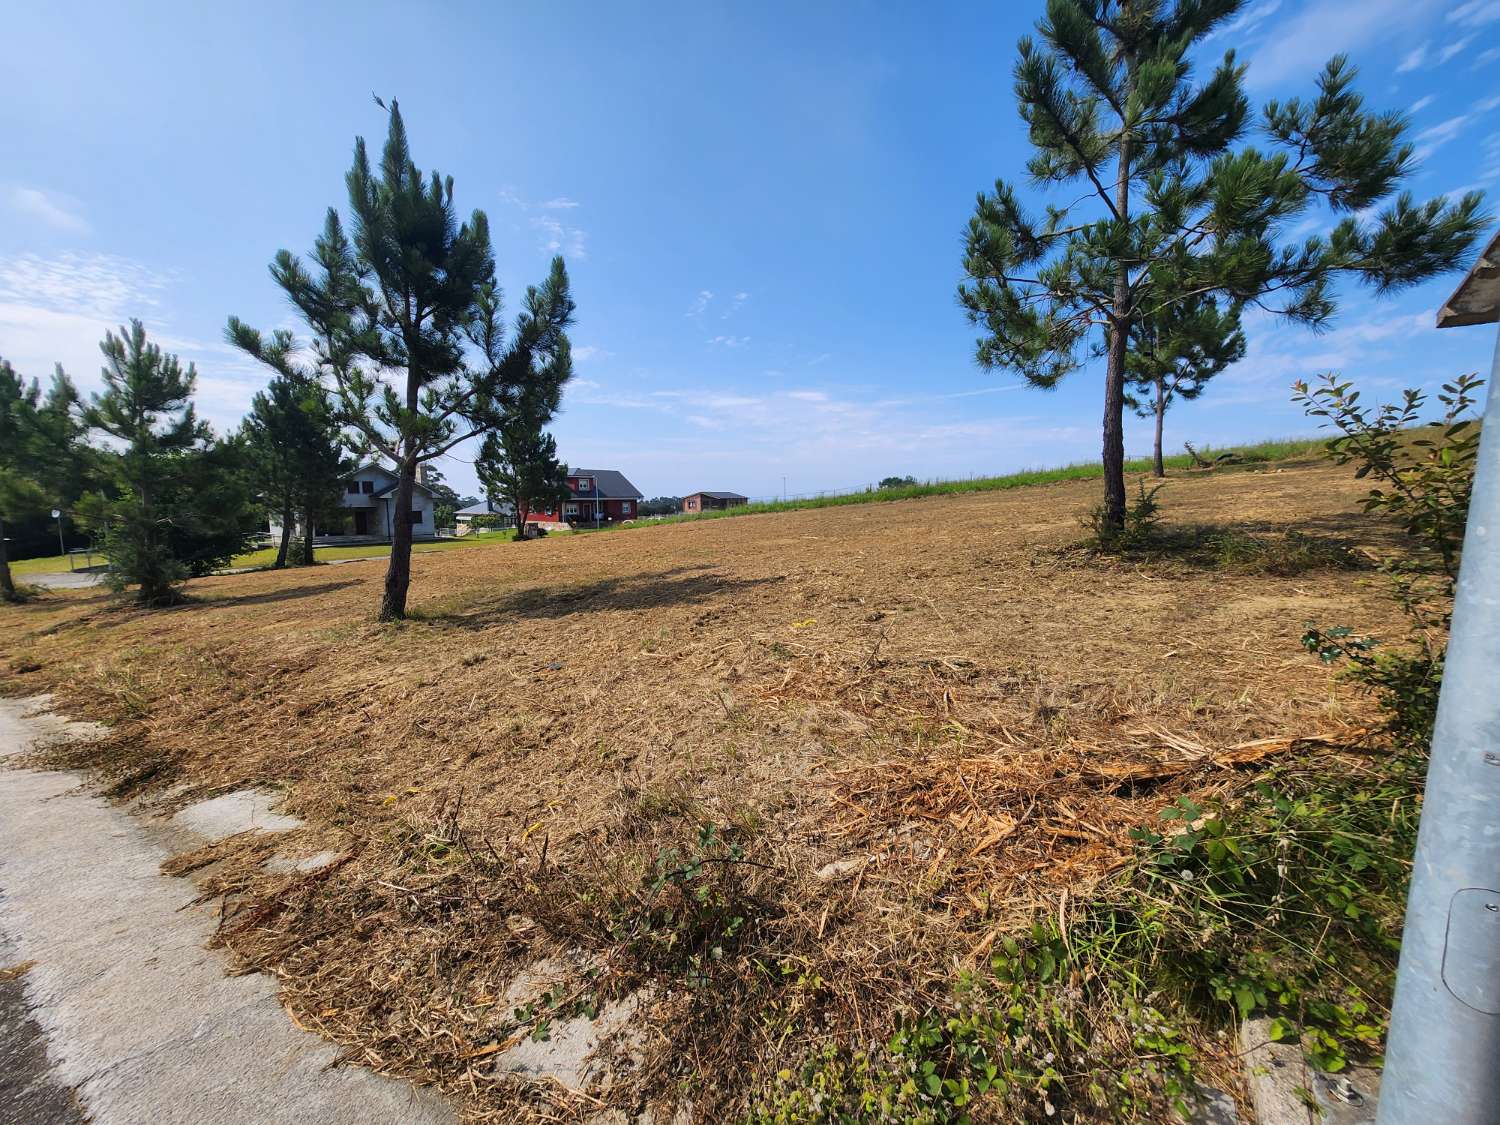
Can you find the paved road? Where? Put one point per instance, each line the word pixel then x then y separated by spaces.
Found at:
pixel 64 580
pixel 139 1020
pixel 29 1091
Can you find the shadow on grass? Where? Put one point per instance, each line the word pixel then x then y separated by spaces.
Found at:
pixel 291 593
pixel 683 585
pixel 1249 548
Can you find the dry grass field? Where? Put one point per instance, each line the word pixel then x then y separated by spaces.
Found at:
pixel 912 726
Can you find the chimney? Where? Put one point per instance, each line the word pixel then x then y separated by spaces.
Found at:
pixel 422 473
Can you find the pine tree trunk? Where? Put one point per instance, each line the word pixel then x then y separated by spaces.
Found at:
pixel 7 584
pixel 1158 467
pixel 1114 376
pixel 398 573
pixel 307 537
pixel 286 537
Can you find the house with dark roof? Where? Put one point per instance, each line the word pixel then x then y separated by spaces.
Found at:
pixel 367 508
pixel 597 498
pixel 713 501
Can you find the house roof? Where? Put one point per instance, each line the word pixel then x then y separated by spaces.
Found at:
pixel 720 495
pixel 376 466
pixel 608 484
pixel 1477 298
pixel 484 509
pixel 390 488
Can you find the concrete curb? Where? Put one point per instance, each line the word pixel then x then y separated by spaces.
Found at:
pixel 139 1018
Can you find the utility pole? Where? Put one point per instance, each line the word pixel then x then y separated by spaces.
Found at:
pixel 1442 1060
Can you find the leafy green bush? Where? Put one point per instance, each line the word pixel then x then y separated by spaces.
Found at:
pixel 1424 477
pixel 1424 480
pixel 1285 901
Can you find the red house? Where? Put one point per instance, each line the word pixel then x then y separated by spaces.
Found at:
pixel 599 497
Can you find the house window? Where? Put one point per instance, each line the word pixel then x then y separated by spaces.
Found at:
pixel 583 484
pixel 624 507
pixel 570 509
pixel 416 515
pixel 367 487
pixel 352 488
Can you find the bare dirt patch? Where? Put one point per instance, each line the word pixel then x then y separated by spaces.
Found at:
pixel 637 751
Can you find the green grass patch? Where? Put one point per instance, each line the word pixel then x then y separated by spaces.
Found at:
pixel 49 564
pixel 1284 901
pixel 1258 453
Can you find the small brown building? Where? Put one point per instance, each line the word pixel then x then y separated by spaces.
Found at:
pixel 712 501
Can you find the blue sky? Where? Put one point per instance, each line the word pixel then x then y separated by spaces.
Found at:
pixel 761 207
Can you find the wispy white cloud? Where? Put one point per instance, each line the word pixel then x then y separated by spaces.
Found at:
pixel 1279 352
pixel 555 236
pixel 701 302
pixel 1300 43
pixel 587 353
pixel 1431 139
pixel 736 303
pixel 57 309
pixel 56 211
pixel 1248 21
pixel 1484 58
pixel 1484 105
pixel 100 286
pixel 1453 48
pixel 1475 13
pixel 558 237
pixel 808 396
pixel 1413 59
pixel 1420 104
pixel 729 341
pixel 1490 158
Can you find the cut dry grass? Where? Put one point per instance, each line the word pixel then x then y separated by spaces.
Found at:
pixel 910 726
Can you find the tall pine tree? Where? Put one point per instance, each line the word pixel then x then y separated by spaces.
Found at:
pixel 518 464
pixel 146 406
pixel 413 295
pixel 1174 355
pixel 1174 206
pixel 294 437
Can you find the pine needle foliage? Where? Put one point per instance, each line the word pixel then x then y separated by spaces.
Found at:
pixel 38 453
pixel 147 408
pixel 1176 352
pixel 1168 201
pixel 405 314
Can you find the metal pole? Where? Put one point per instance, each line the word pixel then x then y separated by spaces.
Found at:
pixel 1443 1054
pixel 61 550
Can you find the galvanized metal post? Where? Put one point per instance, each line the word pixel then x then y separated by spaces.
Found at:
pixel 1443 1053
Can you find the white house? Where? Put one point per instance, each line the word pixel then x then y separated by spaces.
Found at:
pixel 368 505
